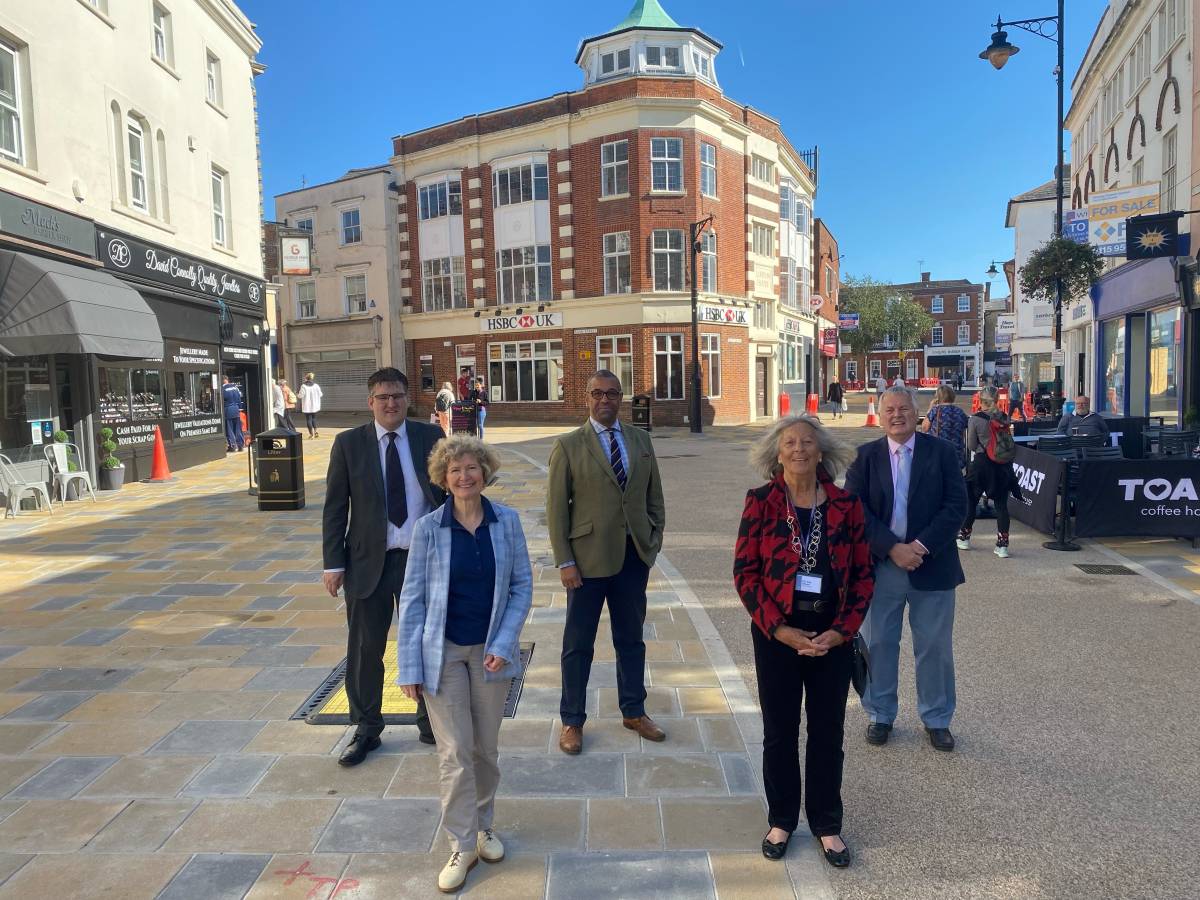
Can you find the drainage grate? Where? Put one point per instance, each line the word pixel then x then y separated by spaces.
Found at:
pixel 328 704
pixel 1099 569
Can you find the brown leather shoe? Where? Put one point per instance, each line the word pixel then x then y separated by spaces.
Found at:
pixel 644 725
pixel 570 739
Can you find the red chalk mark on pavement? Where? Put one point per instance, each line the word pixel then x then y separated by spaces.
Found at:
pixel 323 886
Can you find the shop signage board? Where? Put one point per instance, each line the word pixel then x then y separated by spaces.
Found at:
pixel 46 225
pixel 1075 225
pixel 848 321
pixel 240 354
pixel 723 315
pixel 295 255
pixel 1058 357
pixel 129 434
pixel 793 326
pixel 523 322
pixel 829 341
pixel 196 426
pixel 1108 210
pixel 180 354
pixel 127 255
pixel 1135 497
pixel 1006 323
pixel 1039 476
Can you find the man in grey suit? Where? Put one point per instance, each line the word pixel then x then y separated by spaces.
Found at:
pixel 376 489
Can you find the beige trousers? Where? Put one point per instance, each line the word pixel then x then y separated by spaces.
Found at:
pixel 465 715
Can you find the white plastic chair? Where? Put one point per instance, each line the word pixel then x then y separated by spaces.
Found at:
pixel 15 487
pixel 60 466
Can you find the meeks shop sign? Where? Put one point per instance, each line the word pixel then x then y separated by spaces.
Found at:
pixel 123 253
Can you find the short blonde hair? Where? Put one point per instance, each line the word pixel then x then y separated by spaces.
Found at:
pixel 835 455
pixel 945 393
pixel 457 446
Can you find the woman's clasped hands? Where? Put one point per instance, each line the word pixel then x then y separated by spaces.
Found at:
pixel 808 643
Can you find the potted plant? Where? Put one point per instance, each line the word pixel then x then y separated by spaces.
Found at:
pixel 112 472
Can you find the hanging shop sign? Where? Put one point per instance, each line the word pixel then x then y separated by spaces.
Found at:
pixel 723 315
pixel 522 322
pixel 46 225
pixel 295 255
pixel 1006 323
pixel 829 341
pixel 848 321
pixel 127 255
pixel 1147 237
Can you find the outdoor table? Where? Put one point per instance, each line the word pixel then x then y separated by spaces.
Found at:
pixel 1026 438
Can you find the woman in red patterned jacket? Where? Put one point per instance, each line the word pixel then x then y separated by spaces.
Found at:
pixel 803 569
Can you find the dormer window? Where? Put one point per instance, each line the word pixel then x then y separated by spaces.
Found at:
pixel 611 63
pixel 700 61
pixel 662 57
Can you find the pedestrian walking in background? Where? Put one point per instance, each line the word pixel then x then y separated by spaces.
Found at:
pixel 990 469
pixel 958 382
pixel 478 396
pixel 835 397
pixel 231 409
pixel 468 587
pixel 366 534
pixel 915 499
pixel 897 381
pixel 1016 397
pixel 466 379
pixel 881 385
pixel 441 406
pixel 802 568
pixel 279 405
pixel 310 394
pixel 947 420
pixel 605 514
pixel 289 403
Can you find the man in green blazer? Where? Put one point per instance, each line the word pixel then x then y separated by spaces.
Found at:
pixel 605 513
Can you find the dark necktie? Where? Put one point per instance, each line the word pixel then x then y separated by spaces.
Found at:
pixel 393 476
pixel 614 457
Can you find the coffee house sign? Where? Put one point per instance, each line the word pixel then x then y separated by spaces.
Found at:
pixel 126 254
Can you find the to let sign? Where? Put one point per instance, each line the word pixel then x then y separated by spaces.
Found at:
pixel 522 322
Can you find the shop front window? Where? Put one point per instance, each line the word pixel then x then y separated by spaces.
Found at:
pixel 146 393
pixel 27 397
pixel 526 370
pixel 114 395
pixel 182 402
pixel 1112 359
pixel 1165 329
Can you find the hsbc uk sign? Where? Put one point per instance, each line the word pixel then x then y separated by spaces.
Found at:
pixel 523 322
pixel 723 315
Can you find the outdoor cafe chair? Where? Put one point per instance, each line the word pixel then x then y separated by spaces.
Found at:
pixel 1079 441
pixel 59 457
pixel 1177 443
pixel 1054 442
pixel 1043 427
pixel 16 487
pixel 1089 453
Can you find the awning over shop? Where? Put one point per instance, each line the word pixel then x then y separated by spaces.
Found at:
pixel 945 360
pixel 47 306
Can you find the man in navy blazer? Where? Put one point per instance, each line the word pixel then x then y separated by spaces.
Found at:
pixel 915 499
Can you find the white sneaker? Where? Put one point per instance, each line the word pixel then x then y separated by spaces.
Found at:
pixel 1001 552
pixel 455 871
pixel 491 850
pixel 963 543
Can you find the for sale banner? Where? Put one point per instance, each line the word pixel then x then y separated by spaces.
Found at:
pixel 1039 476
pixel 1138 497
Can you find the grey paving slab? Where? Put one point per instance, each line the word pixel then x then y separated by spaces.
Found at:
pixel 49 707
pixel 246 565
pixel 95 637
pixel 197 589
pixel 293 656
pixel 373 826
pixel 216 876
pixel 258 637
pixel 739 774
pixel 57 603
pixel 229 776
pixel 557 775
pixel 63 778
pixel 284 554
pixel 287 678
pixel 74 680
pixel 154 565
pixel 208 737
pixel 662 876
pixel 197 545
pixel 144 603
pixel 85 577
pixel 268 603
pixel 6 652
pixel 294 576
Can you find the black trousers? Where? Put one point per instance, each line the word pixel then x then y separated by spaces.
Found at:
pixel 370 619
pixel 821 683
pixel 310 420
pixel 985 477
pixel 626 596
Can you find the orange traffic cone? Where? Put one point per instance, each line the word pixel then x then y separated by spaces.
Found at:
pixel 872 419
pixel 159 471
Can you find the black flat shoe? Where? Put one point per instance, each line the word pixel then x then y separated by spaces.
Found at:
pixel 427 739
pixel 775 851
pixel 839 859
pixel 357 750
pixel 878 733
pixel 941 739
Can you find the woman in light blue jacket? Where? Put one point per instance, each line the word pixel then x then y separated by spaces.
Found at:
pixel 467 591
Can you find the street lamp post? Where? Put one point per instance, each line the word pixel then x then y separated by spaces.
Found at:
pixel 998 53
pixel 695 230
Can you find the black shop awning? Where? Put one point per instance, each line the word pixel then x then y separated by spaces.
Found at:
pixel 944 360
pixel 47 306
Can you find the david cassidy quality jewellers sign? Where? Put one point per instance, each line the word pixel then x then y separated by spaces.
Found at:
pixel 128 255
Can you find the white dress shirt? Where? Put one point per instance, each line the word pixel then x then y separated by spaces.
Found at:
pixel 400 538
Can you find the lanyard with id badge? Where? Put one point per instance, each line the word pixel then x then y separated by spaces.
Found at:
pixel 806 545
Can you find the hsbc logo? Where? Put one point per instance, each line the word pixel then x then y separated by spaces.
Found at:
pixel 523 322
pixel 721 315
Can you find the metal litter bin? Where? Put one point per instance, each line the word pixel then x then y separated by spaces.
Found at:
pixel 641 411
pixel 280 469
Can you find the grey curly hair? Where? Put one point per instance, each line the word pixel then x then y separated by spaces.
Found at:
pixel 457 446
pixel 764 455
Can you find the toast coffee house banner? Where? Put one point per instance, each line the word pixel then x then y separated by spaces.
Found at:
pixel 1134 497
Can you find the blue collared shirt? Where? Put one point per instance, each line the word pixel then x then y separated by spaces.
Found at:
pixel 606 441
pixel 472 578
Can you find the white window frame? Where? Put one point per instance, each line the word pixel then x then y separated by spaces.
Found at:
pixel 670 348
pixel 10 108
pixel 213 88
pixel 300 224
pixel 439 198
pixel 964 303
pixel 614 248
pixel 666 165
pixel 702 65
pixel 139 175
pixel 787 203
pixel 609 356
pixel 852 370
pixel 708 261
pixel 614 169
pixel 762 240
pixel 964 334
pixel 220 207
pixel 161 39
pixel 762 169
pixel 444 283
pixel 536 175
pixel 302 301
pixel 1170 164
pixel 615 57
pixel 876 369
pixel 803 216
pixel 937 336
pixel 710 364
pixel 937 305
pixel 534 263
pixel 1138 172
pixel 708 169
pixel 663 52
pixel 667 258
pixel 349 233
pixel 346 295
pixel 527 353
pixel 788 295
pixel 1171 24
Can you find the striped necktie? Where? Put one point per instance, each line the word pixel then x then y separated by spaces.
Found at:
pixel 614 457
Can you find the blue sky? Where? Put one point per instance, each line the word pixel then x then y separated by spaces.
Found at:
pixel 921 142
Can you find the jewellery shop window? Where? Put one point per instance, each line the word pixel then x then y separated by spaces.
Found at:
pixel 191 393
pixel 130 394
pixel 114 395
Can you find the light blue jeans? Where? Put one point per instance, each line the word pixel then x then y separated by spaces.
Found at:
pixel 931 620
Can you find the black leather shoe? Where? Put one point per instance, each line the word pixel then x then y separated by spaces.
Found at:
pixel 775 851
pixel 358 749
pixel 426 737
pixel 941 739
pixel 878 733
pixel 839 859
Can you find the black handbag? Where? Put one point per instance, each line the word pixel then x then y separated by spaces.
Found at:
pixel 860 670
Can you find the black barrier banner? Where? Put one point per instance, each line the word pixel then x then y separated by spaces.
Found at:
pixel 462 417
pixel 1040 476
pixel 1134 497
